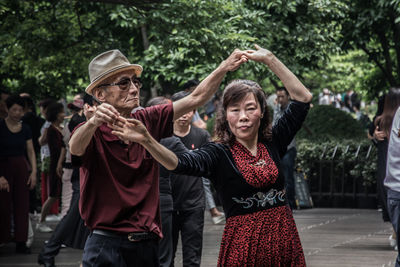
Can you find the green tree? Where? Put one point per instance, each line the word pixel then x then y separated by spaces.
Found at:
pixel 46 45
pixel 374 27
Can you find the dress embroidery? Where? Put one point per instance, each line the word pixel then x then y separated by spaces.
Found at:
pixel 262 199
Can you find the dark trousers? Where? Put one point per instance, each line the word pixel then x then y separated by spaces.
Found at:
pixel 15 204
pixel 393 203
pixel 287 163
pixel 64 227
pixel 381 190
pixel 190 224
pixel 111 251
pixel 165 246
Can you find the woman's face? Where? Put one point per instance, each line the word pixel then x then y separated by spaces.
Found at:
pixel 60 117
pixel 244 118
pixel 15 112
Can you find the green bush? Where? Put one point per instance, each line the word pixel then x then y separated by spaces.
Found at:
pixel 330 123
pixel 309 153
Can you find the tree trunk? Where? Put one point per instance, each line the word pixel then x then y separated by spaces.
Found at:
pixel 146 44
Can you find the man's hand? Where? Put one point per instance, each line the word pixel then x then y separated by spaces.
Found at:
pixel 130 130
pixel 31 180
pixel 233 62
pixel 260 55
pixel 4 184
pixel 379 135
pixel 105 113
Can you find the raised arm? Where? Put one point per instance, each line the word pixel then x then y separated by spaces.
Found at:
pixel 295 88
pixel 132 130
pixel 206 89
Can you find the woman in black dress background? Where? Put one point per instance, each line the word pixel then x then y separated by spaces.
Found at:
pixel 17 176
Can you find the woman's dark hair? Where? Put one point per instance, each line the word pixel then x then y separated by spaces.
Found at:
pixel 158 100
pixel 392 102
pixel 88 99
pixel 46 102
pixel 234 92
pixel 15 99
pixel 53 110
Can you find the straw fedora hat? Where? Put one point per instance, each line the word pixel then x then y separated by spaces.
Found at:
pixel 106 65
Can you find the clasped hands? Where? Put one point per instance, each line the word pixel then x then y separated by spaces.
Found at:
pixel 239 57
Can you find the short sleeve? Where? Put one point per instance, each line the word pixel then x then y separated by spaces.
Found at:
pixel 27 131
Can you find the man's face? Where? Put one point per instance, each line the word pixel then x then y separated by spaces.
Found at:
pixel 124 97
pixel 282 98
pixel 185 120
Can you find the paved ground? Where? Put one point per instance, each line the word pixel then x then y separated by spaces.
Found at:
pixel 330 237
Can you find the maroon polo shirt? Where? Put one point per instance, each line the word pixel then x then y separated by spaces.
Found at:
pixel 118 182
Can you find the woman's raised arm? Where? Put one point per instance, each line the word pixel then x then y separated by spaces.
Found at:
pixel 295 88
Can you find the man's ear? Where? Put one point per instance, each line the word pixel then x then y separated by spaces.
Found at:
pixel 99 94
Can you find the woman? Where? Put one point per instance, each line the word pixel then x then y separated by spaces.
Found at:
pixel 72 221
pixel 244 165
pixel 17 176
pixel 55 115
pixel 383 125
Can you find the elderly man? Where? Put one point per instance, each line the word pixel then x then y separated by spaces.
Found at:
pixel 119 180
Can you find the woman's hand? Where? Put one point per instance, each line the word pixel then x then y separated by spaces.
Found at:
pixel 379 135
pixel 4 184
pixel 88 111
pixel 130 130
pixel 32 180
pixel 260 55
pixel 234 61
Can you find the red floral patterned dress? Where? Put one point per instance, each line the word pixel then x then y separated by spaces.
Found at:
pixel 263 238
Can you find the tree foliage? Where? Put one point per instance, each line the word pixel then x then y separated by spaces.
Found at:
pixel 374 27
pixel 46 45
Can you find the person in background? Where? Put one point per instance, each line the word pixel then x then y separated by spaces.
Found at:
pixel 45 163
pixel 35 123
pixel 216 216
pixel 188 193
pixel 55 115
pixel 72 221
pixel 166 201
pixel 197 121
pixel 76 108
pixel 392 179
pixel 17 175
pixel 382 132
pixel 325 98
pixel 244 166
pixel 289 159
pixel 360 116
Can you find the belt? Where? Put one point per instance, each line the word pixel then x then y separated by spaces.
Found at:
pixel 133 237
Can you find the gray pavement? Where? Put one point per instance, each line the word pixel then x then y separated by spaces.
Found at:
pixel 330 237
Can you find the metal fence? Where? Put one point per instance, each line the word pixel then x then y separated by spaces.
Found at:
pixel 338 184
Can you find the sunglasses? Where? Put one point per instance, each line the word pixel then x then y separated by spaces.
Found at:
pixel 125 83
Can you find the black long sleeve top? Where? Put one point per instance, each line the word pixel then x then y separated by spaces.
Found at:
pixel 215 161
